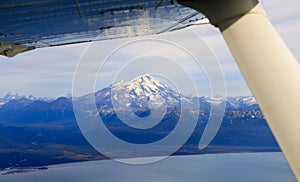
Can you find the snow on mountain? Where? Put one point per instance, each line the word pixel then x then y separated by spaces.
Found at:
pixel 147 85
pixel 144 85
pixel 15 96
pixel 11 96
pixel 68 96
pixel 141 94
pixel 247 100
pixel 214 100
pixel 142 90
pixel 242 101
pixel 2 102
pixel 145 88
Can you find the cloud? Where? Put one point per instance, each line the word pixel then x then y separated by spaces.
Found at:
pixel 49 71
pixel 39 72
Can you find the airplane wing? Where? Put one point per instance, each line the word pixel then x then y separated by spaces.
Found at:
pixel 25 25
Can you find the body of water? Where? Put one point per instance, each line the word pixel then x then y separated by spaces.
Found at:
pixel 212 167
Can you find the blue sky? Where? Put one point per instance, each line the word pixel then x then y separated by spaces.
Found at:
pixel 48 72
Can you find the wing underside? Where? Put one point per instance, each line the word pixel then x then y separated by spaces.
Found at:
pixel 25 25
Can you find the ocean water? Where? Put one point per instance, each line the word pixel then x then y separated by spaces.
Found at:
pixel 212 167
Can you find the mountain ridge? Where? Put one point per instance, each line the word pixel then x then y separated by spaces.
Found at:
pixel 43 132
pixel 146 88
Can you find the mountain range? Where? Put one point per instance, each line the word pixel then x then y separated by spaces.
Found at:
pixel 38 131
pixel 139 91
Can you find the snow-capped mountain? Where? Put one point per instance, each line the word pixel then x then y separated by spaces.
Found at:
pixel 242 102
pixel 142 91
pixel 139 93
pixel 12 95
pixel 15 96
pixel 42 124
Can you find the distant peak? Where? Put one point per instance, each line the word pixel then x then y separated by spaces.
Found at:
pixel 16 96
pixel 12 95
pixel 143 85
